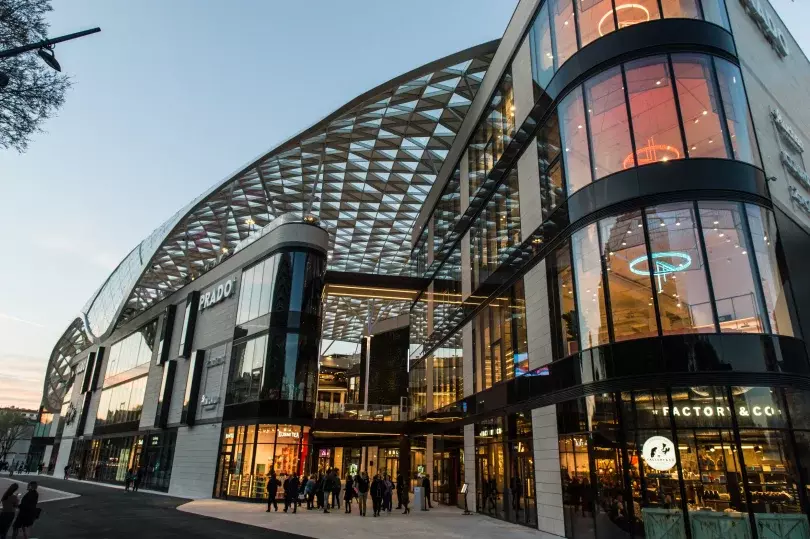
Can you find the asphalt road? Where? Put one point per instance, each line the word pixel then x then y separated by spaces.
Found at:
pixel 103 512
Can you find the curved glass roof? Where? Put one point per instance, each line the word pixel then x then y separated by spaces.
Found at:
pixel 363 171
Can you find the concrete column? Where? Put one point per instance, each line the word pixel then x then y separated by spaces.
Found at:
pixel 529 191
pixel 550 517
pixel 429 456
pixel 469 464
pixel 522 82
pixel 464 170
pixel 64 454
pixel 538 322
pixel 467 359
pixel 195 461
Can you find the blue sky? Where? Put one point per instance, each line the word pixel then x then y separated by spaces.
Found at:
pixel 172 97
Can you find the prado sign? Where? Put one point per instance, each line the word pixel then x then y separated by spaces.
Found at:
pixel 770 29
pixel 219 293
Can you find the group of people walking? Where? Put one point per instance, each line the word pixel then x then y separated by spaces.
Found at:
pixel 25 510
pixel 323 492
pixel 133 479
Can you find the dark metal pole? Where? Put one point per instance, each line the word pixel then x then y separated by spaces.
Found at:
pixel 8 53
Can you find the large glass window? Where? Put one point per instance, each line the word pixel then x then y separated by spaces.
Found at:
pixel 636 12
pixel 564 30
pixel 607 119
pixel 729 257
pixel 542 55
pixel 132 351
pixel 700 106
pixel 678 270
pixel 763 233
pixel 448 373
pixel 631 299
pixel 595 19
pixel 656 130
pixel 565 306
pixel 574 141
pixel 552 188
pixel 122 403
pixel 738 117
pixel 593 325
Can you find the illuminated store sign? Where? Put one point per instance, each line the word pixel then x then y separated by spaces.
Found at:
pixel 665 262
pixel 218 293
pixel 719 411
pixel 786 131
pixel 758 12
pixel 289 434
pixel 659 453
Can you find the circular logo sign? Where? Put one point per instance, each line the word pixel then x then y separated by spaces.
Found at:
pixel 659 453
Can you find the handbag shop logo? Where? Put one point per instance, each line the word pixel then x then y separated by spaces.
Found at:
pixel 786 131
pixel 765 22
pixel 218 293
pixel 659 453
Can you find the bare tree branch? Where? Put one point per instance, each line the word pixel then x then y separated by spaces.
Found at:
pixel 13 426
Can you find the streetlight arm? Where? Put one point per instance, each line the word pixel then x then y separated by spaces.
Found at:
pixel 8 53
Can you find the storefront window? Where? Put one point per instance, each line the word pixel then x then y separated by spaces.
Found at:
pixel 679 277
pixel 636 12
pixel 758 407
pixel 490 468
pixel 565 307
pixel 772 478
pixel 656 129
pixel 730 259
pixel 763 233
pixel 448 378
pixel 574 141
pixel 681 9
pixel 738 117
pixel 542 55
pixel 715 11
pixel 590 293
pixel 607 119
pixel 595 19
pixel 699 105
pixel 565 34
pixel 631 299
pixel 552 188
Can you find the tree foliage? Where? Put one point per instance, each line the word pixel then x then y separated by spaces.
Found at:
pixel 35 92
pixel 13 426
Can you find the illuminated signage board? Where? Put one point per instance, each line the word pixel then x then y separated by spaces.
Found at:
pixel 217 294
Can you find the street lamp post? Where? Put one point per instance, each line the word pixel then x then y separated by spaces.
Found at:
pixel 45 50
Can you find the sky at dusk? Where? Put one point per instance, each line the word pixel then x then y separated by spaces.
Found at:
pixel 173 97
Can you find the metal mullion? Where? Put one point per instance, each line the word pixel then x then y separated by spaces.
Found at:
pixel 752 260
pixel 622 439
pixel 674 431
pixel 553 35
pixel 701 13
pixel 574 290
pixel 615 15
pixel 735 427
pixel 605 286
pixel 629 115
pixel 642 477
pixel 588 138
pixel 804 480
pixel 677 99
pixel 575 10
pixel 707 270
pixel 660 10
pixel 645 229
pixel 721 110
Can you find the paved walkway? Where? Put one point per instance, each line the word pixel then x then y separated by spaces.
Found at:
pixel 45 494
pixel 441 521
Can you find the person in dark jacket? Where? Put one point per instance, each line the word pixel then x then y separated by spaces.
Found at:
pixel 403 498
pixel 128 480
pixel 291 493
pixel 362 492
pixel 335 489
pixel 348 493
pixel 388 494
pixel 426 491
pixel 272 490
pixel 27 512
pixel 377 489
pixel 138 479
pixel 302 489
pixel 322 491
pixel 8 508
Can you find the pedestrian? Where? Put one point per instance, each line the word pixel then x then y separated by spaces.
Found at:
pixel 302 489
pixel 426 491
pixel 398 486
pixel 67 471
pixel 309 491
pixel 28 512
pixel 138 479
pixel 320 492
pixel 403 498
pixel 272 490
pixel 291 493
pixel 335 489
pixel 8 508
pixel 388 493
pixel 348 493
pixel 40 467
pixel 377 488
pixel 127 480
pixel 362 492
pixel 517 492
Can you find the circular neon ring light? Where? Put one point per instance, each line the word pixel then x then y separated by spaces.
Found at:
pixel 620 8
pixel 662 268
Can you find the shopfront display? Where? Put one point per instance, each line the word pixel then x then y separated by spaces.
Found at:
pixel 699 462
pixel 250 453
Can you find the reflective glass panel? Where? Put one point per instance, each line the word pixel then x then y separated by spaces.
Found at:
pixel 607 119
pixel 738 117
pixel 541 51
pixel 565 301
pixel 630 12
pixel 574 141
pixel 700 107
pixel 715 11
pixel 738 308
pixel 656 129
pixel 595 19
pixel 631 299
pixel 565 35
pixel 681 9
pixel 763 234
pixel 678 270
pixel 590 293
pixel 772 477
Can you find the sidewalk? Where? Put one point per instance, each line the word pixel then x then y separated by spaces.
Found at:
pixel 45 494
pixel 441 521
pixel 25 478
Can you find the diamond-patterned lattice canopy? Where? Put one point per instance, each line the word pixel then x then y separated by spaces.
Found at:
pixel 364 171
